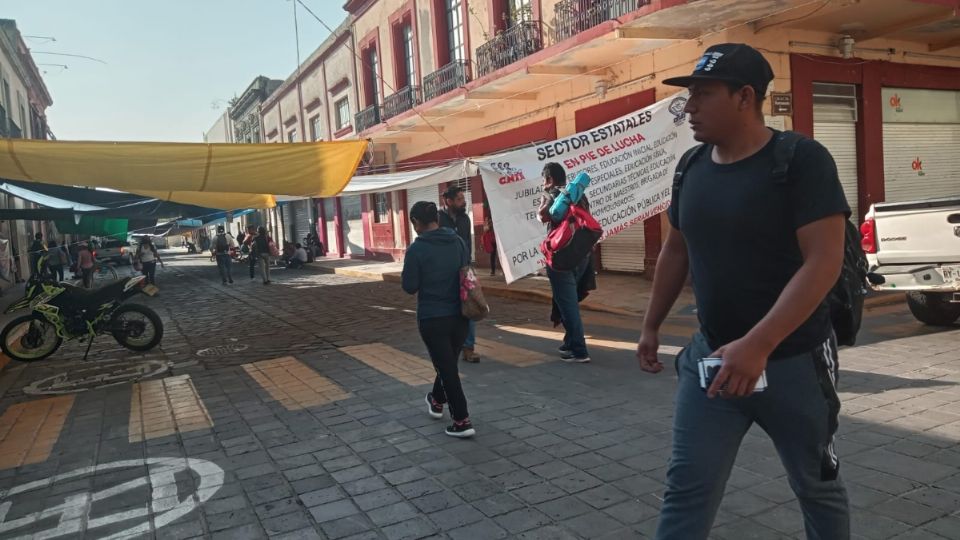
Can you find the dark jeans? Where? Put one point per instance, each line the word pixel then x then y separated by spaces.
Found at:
pixel 444 337
pixel 493 263
pixel 564 286
pixel 223 265
pixel 57 272
pixel 294 263
pixel 253 263
pixel 87 274
pixel 150 270
pixel 798 410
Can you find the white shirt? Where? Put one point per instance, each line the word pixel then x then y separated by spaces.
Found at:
pixel 300 255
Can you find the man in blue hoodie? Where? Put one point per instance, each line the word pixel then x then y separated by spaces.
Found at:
pixel 431 270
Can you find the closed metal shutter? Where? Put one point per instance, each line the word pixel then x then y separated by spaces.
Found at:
pixel 288 222
pixel 625 251
pixel 353 223
pixel 921 161
pixel 841 140
pixel 301 219
pixel 330 214
pixel 415 195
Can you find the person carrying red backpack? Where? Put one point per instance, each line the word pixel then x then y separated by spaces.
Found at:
pixel 566 284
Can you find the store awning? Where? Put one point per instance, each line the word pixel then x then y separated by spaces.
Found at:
pixel 378 183
pixel 225 176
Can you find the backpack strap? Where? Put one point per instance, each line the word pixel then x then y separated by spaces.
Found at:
pixel 683 166
pixel 784 148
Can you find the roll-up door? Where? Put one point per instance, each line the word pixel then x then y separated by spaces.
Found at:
pixel 353 223
pixel 625 251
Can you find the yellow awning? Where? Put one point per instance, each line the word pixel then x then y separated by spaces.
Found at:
pixel 212 175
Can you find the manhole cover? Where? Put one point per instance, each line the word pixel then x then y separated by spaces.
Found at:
pixel 81 378
pixel 223 350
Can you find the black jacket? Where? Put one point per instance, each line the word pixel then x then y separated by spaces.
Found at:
pixel 461 226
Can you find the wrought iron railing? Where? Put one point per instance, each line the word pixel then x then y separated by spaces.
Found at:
pixel 516 43
pixel 446 79
pixel 405 99
pixel 367 118
pixel 574 16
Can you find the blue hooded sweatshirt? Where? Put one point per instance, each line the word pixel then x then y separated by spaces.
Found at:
pixel 431 270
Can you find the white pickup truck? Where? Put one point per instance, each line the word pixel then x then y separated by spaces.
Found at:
pixel 915 247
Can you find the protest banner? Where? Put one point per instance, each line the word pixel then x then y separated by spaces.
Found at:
pixel 630 161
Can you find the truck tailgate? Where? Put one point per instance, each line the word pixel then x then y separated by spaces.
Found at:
pixel 921 232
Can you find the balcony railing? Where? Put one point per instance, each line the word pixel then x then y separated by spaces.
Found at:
pixel 401 102
pixel 574 16
pixel 516 43
pixel 368 118
pixel 446 79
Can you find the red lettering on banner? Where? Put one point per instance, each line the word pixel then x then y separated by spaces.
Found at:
pixel 509 179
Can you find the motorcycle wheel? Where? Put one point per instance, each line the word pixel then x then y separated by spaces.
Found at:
pixel 29 338
pixel 136 327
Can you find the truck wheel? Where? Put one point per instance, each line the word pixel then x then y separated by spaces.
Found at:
pixel 933 308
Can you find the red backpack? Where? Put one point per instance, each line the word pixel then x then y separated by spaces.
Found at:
pixel 572 240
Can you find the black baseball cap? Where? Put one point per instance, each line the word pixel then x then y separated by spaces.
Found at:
pixel 730 62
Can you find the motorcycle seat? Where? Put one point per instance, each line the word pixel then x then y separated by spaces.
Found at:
pixel 92 298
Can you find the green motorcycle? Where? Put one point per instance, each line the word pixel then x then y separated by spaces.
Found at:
pixel 60 311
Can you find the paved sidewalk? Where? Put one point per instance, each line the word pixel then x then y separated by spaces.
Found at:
pixel 295 411
pixel 622 294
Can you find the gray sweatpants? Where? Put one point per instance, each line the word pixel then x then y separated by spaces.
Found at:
pixel 798 410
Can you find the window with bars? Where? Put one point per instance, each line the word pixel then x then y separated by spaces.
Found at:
pixel 409 62
pixel 455 42
pixel 315 128
pixel 373 76
pixel 381 207
pixel 343 113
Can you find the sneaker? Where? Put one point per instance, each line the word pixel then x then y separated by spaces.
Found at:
pixel 231 282
pixel 469 355
pixel 434 409
pixel 461 430
pixel 571 358
pixel 564 349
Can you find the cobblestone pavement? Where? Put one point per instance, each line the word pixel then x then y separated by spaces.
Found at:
pixel 295 410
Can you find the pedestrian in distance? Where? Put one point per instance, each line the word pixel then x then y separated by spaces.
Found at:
pixel 57 260
pixel 86 262
pixel 148 257
pixel 568 286
pixel 764 245
pixel 263 248
pixel 489 241
pixel 247 249
pixel 454 217
pixel 299 257
pixel 37 251
pixel 222 244
pixel 431 270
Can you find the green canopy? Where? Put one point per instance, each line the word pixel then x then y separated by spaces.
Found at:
pixel 95 226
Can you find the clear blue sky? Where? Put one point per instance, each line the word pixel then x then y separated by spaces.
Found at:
pixel 167 61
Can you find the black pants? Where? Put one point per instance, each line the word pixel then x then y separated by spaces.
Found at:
pixel 223 264
pixel 87 277
pixel 150 271
pixel 493 262
pixel 57 272
pixel 253 263
pixel 444 337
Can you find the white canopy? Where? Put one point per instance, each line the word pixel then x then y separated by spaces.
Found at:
pixel 379 183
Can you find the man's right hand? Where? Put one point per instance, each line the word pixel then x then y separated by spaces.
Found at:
pixel 647 352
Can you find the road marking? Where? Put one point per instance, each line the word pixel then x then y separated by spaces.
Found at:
pixel 557 337
pixel 29 430
pixel 77 508
pixel 508 354
pixel 294 384
pixel 96 375
pixel 402 366
pixel 163 407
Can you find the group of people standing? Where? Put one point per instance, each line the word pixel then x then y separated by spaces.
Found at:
pixel 53 259
pixel 257 243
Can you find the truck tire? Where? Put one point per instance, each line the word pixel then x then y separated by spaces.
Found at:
pixel 934 309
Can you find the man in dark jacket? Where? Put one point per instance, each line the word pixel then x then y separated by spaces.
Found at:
pixel 454 216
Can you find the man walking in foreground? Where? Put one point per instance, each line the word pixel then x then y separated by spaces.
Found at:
pixel 764 250
pixel 454 216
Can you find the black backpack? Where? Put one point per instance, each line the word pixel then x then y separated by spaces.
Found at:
pixel 846 298
pixel 222 245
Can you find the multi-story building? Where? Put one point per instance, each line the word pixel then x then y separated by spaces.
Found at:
pixel 24 100
pixel 876 81
pixel 242 119
pixel 221 131
pixel 316 103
